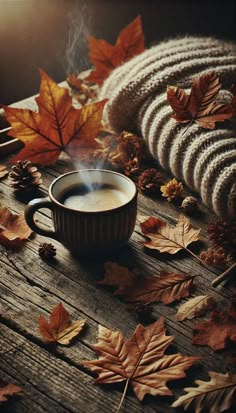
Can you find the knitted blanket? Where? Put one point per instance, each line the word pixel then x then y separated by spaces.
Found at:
pixel 204 159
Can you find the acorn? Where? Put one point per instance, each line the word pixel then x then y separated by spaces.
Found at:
pixel 189 204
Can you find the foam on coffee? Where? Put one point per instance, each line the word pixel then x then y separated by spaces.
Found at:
pixel 94 198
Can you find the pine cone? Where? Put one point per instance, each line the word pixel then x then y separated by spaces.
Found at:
pixel 141 308
pixel 189 204
pixel 150 181
pixel 215 256
pixel 172 189
pixel 24 176
pixel 223 234
pixel 47 251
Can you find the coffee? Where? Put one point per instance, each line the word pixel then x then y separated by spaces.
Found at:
pixel 93 197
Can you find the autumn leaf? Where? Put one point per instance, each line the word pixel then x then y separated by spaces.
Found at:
pixel 233 101
pixel 8 389
pixel 59 329
pixel 13 229
pixel 56 127
pixel 139 361
pixel 3 171
pixel 165 238
pixel 134 289
pixel 195 307
pixel 201 104
pixel 106 57
pixel 216 331
pixel 216 395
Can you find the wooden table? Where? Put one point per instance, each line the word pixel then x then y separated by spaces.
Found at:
pixel 30 286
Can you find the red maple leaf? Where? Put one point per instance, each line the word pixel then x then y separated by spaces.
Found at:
pixel 106 57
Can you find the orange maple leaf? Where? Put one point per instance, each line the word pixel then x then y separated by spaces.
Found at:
pixel 165 238
pixel 59 329
pixel 56 127
pixel 217 330
pixel 7 390
pixel 106 57
pixel 201 105
pixel 139 361
pixel 13 229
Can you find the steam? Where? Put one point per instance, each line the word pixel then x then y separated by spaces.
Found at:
pixel 77 47
pixel 76 57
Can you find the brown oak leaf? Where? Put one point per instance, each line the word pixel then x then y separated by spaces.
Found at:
pixel 106 57
pixel 135 289
pixel 139 361
pixel 195 307
pixel 165 238
pixel 216 395
pixel 217 330
pixel 3 171
pixel 7 390
pixel 56 127
pixel 13 229
pixel 201 104
pixel 59 329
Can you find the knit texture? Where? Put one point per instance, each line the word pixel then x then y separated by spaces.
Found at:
pixel 204 159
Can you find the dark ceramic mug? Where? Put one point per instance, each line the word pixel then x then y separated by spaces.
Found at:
pixel 82 231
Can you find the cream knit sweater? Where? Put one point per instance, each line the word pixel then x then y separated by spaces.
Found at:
pixel 205 159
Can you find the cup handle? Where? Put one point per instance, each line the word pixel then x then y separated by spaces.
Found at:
pixel 30 210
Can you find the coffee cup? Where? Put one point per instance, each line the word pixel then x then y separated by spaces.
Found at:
pixel 93 211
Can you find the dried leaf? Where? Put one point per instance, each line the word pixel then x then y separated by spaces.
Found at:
pixel 8 389
pixel 216 331
pixel 59 329
pixel 3 171
pixel 57 127
pixel 195 307
pixel 13 229
pixel 216 395
pixel 139 361
pixel 233 101
pixel 135 289
pixel 165 238
pixel 106 57
pixel 82 91
pixel 201 105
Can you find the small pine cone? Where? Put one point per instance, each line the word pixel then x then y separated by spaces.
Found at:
pixel 172 189
pixel 24 176
pixel 189 204
pixel 46 250
pixel 150 181
pixel 223 234
pixel 142 309
pixel 215 256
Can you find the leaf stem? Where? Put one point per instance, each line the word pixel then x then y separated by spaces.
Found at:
pixel 195 256
pixel 123 396
pixel 218 280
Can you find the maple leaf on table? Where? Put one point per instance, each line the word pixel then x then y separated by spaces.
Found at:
pixel 165 238
pixel 135 289
pixel 216 331
pixel 212 396
pixel 56 127
pixel 59 329
pixel 106 57
pixel 200 105
pixel 8 389
pixel 13 229
pixel 139 361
